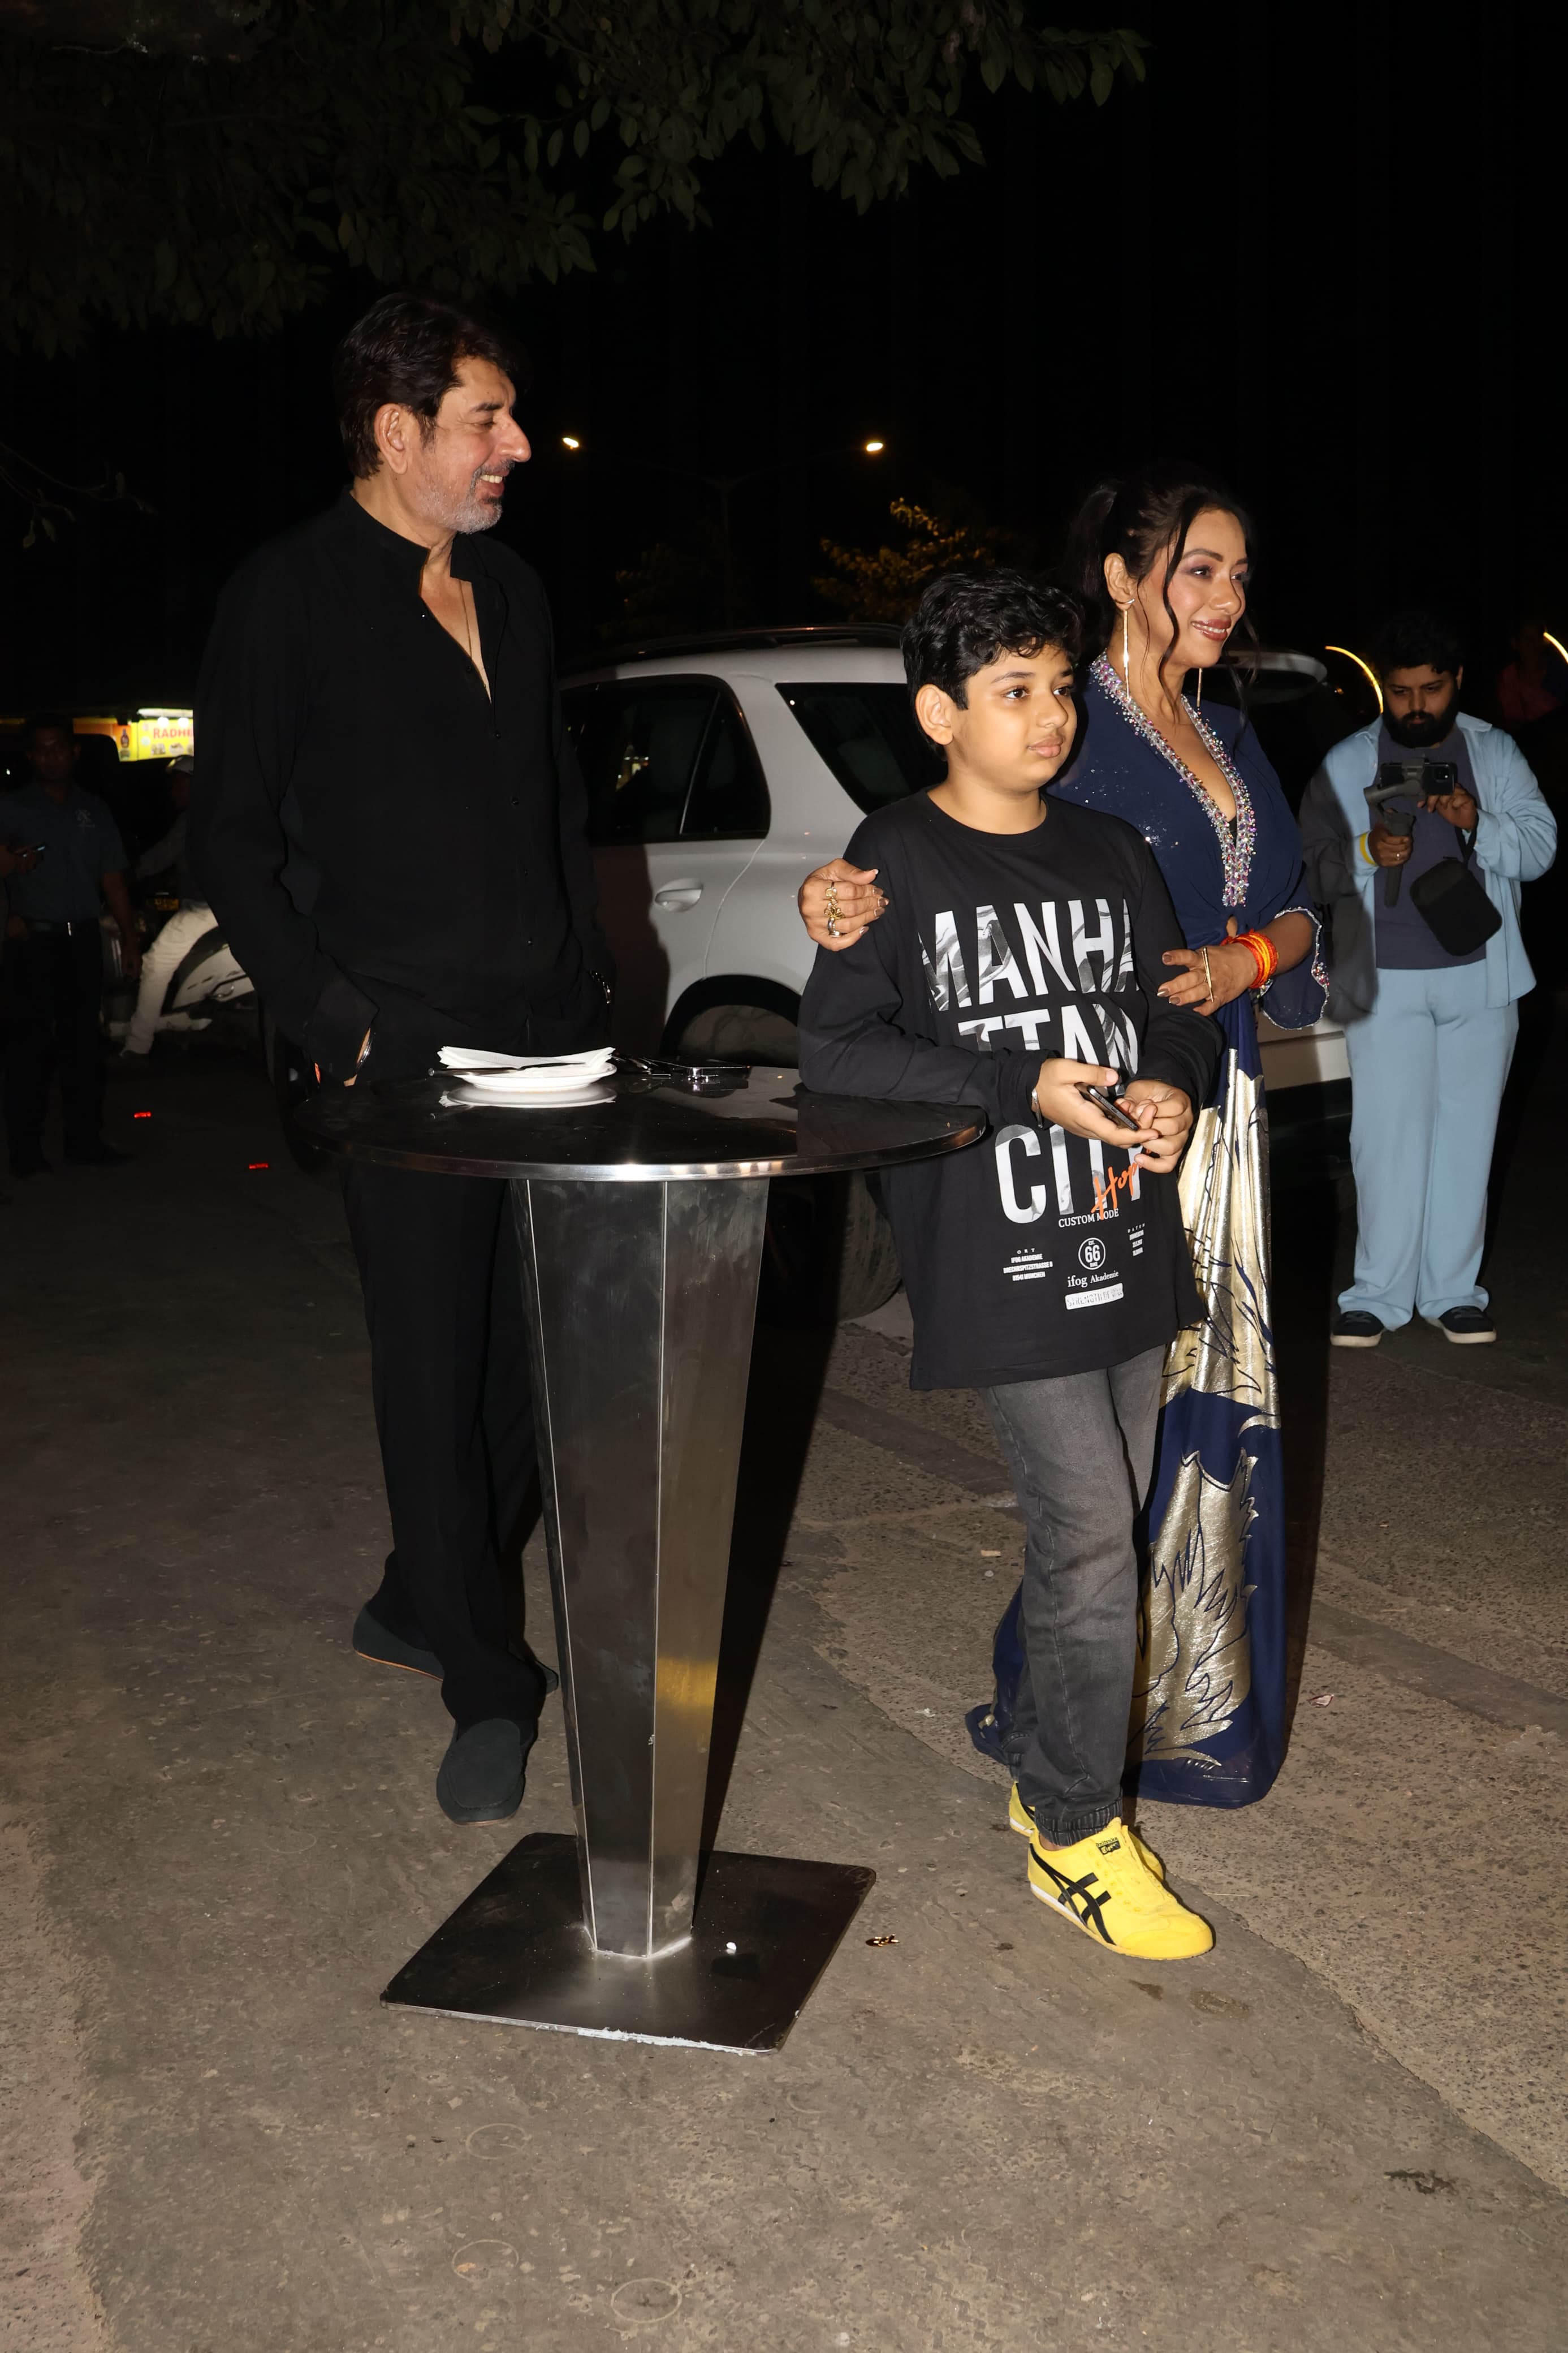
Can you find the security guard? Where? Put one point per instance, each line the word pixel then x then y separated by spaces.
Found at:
pixel 63 859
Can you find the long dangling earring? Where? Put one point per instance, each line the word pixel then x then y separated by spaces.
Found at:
pixel 1200 704
pixel 1126 659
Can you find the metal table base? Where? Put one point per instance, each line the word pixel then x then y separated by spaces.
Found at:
pixel 640 1217
pixel 517 1952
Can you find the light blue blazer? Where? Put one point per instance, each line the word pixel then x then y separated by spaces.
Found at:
pixel 1516 839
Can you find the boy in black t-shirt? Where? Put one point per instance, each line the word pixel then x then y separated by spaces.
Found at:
pixel 1018 963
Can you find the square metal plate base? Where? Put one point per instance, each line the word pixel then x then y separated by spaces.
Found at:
pixel 516 1952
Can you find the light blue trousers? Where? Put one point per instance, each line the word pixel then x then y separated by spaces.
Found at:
pixel 1427 1070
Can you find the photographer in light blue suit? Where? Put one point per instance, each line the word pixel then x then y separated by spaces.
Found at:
pixel 1429 1028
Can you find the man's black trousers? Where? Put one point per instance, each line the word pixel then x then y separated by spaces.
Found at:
pixel 53 985
pixel 439 1264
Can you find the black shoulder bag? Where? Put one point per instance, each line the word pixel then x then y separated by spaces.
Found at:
pixel 1454 904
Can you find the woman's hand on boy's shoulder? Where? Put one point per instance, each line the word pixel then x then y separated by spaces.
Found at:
pixel 839 901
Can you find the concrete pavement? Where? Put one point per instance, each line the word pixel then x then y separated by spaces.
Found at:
pixel 1343 2128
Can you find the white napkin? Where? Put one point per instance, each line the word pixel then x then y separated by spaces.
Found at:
pixel 476 1058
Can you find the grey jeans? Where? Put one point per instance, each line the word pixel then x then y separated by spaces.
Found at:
pixel 1081 1450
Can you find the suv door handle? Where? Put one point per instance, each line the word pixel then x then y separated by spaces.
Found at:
pixel 678 895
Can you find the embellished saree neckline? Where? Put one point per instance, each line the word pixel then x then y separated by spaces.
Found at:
pixel 1235 836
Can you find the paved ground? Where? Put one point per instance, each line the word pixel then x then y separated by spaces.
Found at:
pixel 1344 2128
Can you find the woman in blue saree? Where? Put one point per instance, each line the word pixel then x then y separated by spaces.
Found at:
pixel 1166 560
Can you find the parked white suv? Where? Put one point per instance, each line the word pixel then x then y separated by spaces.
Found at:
pixel 721 770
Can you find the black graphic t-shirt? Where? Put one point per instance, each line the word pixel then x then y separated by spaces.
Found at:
pixel 1035 1252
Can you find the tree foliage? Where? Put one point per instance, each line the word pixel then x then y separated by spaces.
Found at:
pixel 218 161
pixel 883 584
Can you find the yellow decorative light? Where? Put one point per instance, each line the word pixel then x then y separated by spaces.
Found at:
pixel 874 449
pixel 570 441
pixel 1371 675
pixel 1555 644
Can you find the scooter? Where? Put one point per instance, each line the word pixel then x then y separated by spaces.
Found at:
pixel 207 989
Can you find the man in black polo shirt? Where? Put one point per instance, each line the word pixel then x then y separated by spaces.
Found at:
pixel 388 819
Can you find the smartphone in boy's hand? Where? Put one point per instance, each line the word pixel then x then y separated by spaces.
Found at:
pixel 1110 1107
pixel 1072 1096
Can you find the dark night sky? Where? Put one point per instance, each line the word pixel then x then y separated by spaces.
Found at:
pixel 1321 250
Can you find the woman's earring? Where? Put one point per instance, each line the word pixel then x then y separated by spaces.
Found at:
pixel 1200 694
pixel 1126 659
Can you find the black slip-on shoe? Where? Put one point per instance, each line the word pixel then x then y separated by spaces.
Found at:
pixel 373 1641
pixel 376 1643
pixel 1353 1327
pixel 97 1155
pixel 1468 1327
pixel 481 1774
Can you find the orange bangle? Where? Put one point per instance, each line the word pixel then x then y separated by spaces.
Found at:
pixel 1264 953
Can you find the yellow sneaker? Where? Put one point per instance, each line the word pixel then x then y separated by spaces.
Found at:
pixel 1019 1818
pixel 1105 1888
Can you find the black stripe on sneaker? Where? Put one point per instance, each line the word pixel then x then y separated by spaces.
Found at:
pixel 1093 1906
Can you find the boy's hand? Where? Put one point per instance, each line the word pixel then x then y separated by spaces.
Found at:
pixel 838 902
pixel 1172 1114
pixel 1058 1097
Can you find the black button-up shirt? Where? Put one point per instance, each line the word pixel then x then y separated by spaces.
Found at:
pixel 386 846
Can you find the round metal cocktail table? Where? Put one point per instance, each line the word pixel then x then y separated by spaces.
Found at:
pixel 640 1214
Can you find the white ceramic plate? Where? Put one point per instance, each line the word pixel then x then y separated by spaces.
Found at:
pixel 519 1086
pixel 463 1096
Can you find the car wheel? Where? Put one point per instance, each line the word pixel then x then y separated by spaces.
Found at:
pixel 740 1033
pixel 829 1252
pixel 293 1084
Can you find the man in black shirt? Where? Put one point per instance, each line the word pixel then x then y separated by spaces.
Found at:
pixel 388 819
pixel 1020 962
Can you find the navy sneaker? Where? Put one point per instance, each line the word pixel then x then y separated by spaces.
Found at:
pixel 1353 1327
pixel 1468 1327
